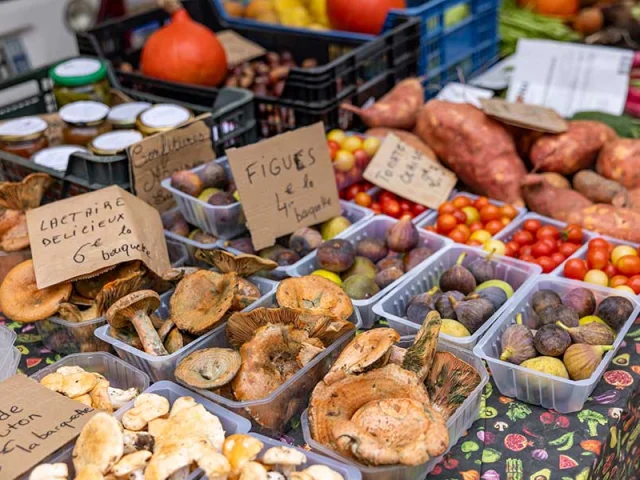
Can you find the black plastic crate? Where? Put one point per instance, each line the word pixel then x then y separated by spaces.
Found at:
pixel 350 71
pixel 232 115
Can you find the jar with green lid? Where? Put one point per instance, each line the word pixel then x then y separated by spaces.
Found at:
pixel 80 79
pixel 114 142
pixel 23 136
pixel 124 116
pixel 84 121
pixel 162 117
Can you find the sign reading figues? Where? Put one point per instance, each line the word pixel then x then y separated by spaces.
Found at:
pixel 83 234
pixel 34 423
pixel 285 183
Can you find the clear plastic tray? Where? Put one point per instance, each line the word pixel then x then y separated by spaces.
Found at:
pixel 375 227
pixel 119 373
pixel 537 388
pixel 178 254
pixel 394 305
pixel 162 368
pixel 7 340
pixel 225 221
pixel 457 424
pixel 10 367
pixel 375 192
pixel 297 389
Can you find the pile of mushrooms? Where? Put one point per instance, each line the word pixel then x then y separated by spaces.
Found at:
pixel 269 346
pixel 385 405
pixel 202 300
pixel 156 441
pixel 90 388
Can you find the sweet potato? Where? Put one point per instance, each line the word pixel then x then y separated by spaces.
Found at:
pixel 397 109
pixel 556 180
pixel 627 199
pixel 609 220
pixel 619 160
pixel 476 148
pixel 545 199
pixel 574 150
pixel 407 137
pixel 595 187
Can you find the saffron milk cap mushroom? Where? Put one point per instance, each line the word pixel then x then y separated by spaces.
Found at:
pixel 209 368
pixel 26 194
pixel 244 264
pixel 315 294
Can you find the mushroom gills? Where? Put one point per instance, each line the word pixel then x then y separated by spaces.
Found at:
pixel 209 368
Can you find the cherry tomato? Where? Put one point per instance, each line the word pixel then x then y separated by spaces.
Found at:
pixel 333 150
pixel 552 245
pixel 547 231
pixel 558 258
pixel 472 214
pixel 505 221
pixel 572 233
pixel 460 234
pixel 547 264
pixel 475 226
pixel 508 211
pixel 526 251
pixel 385 196
pixel 431 228
pixel 460 216
pixel 377 209
pixel 490 212
pixel 417 209
pixel 634 283
pixel 352 191
pixel 510 250
pixel 405 206
pixel 493 226
pixel 597 258
pixel 575 268
pixel 541 249
pixel 598 243
pixel 406 216
pixel 629 265
pixel 474 243
pixel 523 237
pixel 610 270
pixel 618 280
pixel 461 201
pixel 391 208
pixel 446 223
pixel 531 226
pixel 597 277
pixel 527 258
pixel 568 248
pixel 446 207
pixel 363 199
pixel 481 202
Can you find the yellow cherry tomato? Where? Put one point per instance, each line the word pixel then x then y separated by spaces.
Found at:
pixel 481 236
pixel 351 144
pixel 622 251
pixel 337 136
pixel 495 246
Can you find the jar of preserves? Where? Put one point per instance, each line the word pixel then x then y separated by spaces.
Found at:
pixel 115 142
pixel 57 158
pixel 80 79
pixel 162 117
pixel 124 116
pixel 23 136
pixel 84 121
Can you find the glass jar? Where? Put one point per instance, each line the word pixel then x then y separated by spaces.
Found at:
pixel 23 136
pixel 84 121
pixel 123 117
pixel 57 158
pixel 161 118
pixel 80 79
pixel 115 142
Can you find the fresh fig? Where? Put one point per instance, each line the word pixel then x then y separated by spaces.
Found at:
pixel 474 313
pixel 359 287
pixel 199 236
pixel 174 222
pixel 335 255
pixel 593 333
pixel 582 300
pixel 402 236
pixel 187 182
pixel 495 295
pixel 454 328
pixel 458 278
pixel 543 299
pixel 483 269
pixel 221 199
pixel 415 257
pixel 445 304
pixel 388 262
pixel 551 340
pixel 305 240
pixel 582 359
pixel 561 313
pixel 279 254
pixel 361 266
pixel 387 276
pixel 213 175
pixel 372 248
pixel 243 244
pixel 615 311
pixel 420 305
pixel 517 343
pixel 549 365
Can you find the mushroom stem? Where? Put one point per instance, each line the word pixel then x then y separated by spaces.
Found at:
pixel 148 336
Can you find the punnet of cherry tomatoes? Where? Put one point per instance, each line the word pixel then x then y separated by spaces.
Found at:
pixel 606 263
pixel 350 155
pixel 381 201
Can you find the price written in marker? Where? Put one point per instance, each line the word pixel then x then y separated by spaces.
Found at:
pixel 405 171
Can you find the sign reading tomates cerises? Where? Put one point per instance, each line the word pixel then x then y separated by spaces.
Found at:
pixel 285 183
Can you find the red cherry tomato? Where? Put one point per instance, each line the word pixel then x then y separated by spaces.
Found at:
pixel 508 211
pixel 481 202
pixel 541 249
pixel 446 207
pixel 461 201
pixel 460 234
pixel 629 265
pixel 527 258
pixel 568 248
pixel 526 251
pixel 363 199
pixel 431 228
pixel 531 225
pixel 575 269
pixel 511 249
pixel 460 216
pixel 548 231
pixel 610 270
pixel 572 233
pixel 598 243
pixel 405 206
pixel 552 244
pixel 597 258
pixel 634 283
pixel 391 208
pixel 618 280
pixel 386 196
pixel 493 226
pixel 417 209
pixel 547 264
pixel 474 243
pixel 476 226
pixel 523 237
pixel 490 212
pixel 377 209
pixel 446 223
pixel 352 191
pixel 558 258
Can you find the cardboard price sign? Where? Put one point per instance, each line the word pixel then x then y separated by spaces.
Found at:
pixel 405 171
pixel 522 115
pixel 83 234
pixel 159 156
pixel 285 183
pixel 238 48
pixel 34 423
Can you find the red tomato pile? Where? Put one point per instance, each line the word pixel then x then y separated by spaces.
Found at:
pixel 389 204
pixel 545 245
pixel 472 222
pixel 607 265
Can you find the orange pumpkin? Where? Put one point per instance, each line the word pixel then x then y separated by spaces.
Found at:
pixel 184 51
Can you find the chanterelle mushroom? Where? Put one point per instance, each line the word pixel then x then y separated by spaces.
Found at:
pixel 22 301
pixel 46 471
pixel 284 459
pixel 100 444
pixel 244 264
pixel 209 368
pixel 146 407
pixel 315 294
pixel 241 449
pixel 135 308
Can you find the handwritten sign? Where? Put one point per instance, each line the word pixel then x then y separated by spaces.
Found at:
pixel 34 423
pixel 83 234
pixel 285 183
pixel 405 171
pixel 533 117
pixel 160 156
pixel 238 48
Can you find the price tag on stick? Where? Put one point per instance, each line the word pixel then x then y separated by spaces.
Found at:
pixel 285 183
pixel 405 171
pixel 83 234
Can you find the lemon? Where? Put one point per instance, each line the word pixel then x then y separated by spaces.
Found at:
pixel 334 277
